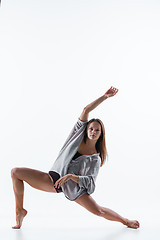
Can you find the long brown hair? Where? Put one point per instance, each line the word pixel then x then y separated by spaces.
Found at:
pixel 101 143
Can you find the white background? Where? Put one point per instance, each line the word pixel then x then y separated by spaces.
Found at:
pixel 55 58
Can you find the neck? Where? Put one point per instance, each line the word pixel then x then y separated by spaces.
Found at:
pixel 91 144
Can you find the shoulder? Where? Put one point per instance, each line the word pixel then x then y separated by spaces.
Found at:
pixel 80 124
pixel 97 159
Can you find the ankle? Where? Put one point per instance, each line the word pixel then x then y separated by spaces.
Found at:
pixel 124 221
pixel 18 210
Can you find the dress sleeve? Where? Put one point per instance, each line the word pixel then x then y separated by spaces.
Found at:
pixel 88 181
pixel 78 127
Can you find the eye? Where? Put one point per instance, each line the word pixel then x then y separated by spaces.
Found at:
pixel 97 130
pixel 91 128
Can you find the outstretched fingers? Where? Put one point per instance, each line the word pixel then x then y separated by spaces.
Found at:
pixel 114 90
pixel 111 92
pixel 58 183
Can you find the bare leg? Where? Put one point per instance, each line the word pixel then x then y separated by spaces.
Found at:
pixel 34 178
pixel 89 203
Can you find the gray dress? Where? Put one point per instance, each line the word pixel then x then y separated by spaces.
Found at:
pixel 85 166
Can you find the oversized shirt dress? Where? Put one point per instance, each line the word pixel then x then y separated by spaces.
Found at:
pixel 85 166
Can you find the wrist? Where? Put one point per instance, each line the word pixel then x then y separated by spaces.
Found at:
pixel 124 221
pixel 74 178
pixel 105 96
pixel 70 175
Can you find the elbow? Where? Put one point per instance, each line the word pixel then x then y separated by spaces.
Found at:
pixel 86 110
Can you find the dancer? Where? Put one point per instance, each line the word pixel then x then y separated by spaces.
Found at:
pixel 75 170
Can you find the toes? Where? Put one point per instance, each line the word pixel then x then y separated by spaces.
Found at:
pixel 16 227
pixel 133 224
pixel 137 223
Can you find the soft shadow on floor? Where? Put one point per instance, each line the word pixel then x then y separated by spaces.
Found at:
pixel 43 233
pixel 35 228
pixel 122 234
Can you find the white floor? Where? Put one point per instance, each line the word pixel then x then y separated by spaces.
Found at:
pixel 108 232
pixel 78 227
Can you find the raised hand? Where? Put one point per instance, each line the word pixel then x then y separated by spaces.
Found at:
pixel 111 92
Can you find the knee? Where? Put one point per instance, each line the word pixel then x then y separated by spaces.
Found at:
pixel 99 212
pixel 14 172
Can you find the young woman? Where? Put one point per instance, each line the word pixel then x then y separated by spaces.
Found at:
pixel 75 170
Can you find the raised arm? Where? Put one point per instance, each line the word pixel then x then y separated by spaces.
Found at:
pixel 85 113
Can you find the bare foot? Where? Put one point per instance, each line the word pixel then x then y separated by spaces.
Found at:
pixel 132 223
pixel 19 218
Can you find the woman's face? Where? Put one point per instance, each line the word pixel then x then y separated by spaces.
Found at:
pixel 94 131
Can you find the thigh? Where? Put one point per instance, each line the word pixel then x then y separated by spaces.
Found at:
pixel 35 178
pixel 90 204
